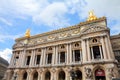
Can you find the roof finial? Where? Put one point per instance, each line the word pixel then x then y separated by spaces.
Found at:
pixel 91 16
pixel 27 34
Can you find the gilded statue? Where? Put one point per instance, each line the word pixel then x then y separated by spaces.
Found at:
pixel 27 34
pixel 91 16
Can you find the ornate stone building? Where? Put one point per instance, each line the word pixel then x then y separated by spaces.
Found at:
pixel 3 67
pixel 83 52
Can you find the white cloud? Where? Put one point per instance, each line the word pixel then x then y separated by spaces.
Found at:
pixel 6 54
pixel 3 20
pixel 53 14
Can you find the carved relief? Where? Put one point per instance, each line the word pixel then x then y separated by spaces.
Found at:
pixel 62 35
pixel 112 73
pixel 51 37
pixel 88 72
pixel 92 29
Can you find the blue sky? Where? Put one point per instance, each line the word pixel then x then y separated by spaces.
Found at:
pixel 45 15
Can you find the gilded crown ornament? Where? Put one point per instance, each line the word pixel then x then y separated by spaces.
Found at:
pixel 27 34
pixel 91 16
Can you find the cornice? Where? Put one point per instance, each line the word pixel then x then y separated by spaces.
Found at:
pixel 64 29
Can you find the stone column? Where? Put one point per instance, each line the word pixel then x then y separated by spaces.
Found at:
pixel 81 56
pixel 107 48
pixel 29 76
pixel 88 51
pixel 42 76
pixel 101 54
pixel 92 52
pixel 32 59
pixel 110 47
pixel 42 57
pixel 23 57
pixel 20 75
pixel 67 73
pixel 70 53
pixel 84 51
pixel 20 58
pixel 56 57
pixel 39 74
pixel 53 74
pixel 104 48
pixel 73 56
pixel 53 56
pixel 67 53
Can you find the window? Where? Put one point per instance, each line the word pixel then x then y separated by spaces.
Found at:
pixel 62 46
pixel 38 59
pixel 76 45
pixel 96 52
pixel 77 55
pixel 50 48
pixel 28 60
pixel 49 58
pixel 62 57
pixel 94 40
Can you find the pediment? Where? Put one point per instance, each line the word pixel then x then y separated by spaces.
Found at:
pixel 91 29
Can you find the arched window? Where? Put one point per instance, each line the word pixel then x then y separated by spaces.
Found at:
pixel 78 75
pixel 61 75
pixel 100 74
pixel 96 52
pixel 35 76
pixel 25 76
pixel 47 75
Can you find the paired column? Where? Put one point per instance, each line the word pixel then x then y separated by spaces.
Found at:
pixel 91 48
pixel 101 54
pixel 84 50
pixel 56 56
pixel 53 56
pixel 23 57
pixel 70 53
pixel 32 58
pixel 107 48
pixel 104 48
pixel 88 50
pixel 42 57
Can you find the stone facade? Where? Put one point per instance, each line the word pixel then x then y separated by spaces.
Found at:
pixel 82 51
pixel 3 67
pixel 115 40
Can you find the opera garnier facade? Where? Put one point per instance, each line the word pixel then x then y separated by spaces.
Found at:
pixel 80 52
